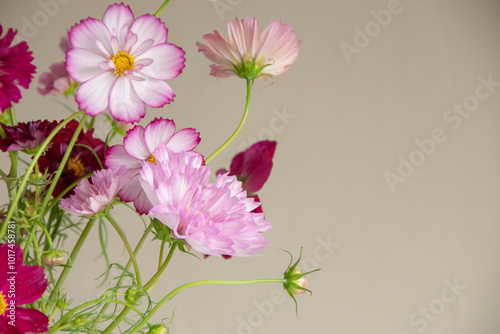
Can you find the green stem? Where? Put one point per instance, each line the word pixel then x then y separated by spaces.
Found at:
pixel 188 285
pixel 127 246
pixel 120 280
pixel 162 7
pixel 53 181
pixel 72 257
pixel 24 181
pixel 149 285
pixel 240 126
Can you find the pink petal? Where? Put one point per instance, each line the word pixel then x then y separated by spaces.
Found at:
pixel 124 104
pixel 158 131
pixel 83 65
pixel 116 157
pixel 29 320
pixel 8 329
pixel 85 34
pixel 245 35
pixel 221 49
pixel 153 92
pixel 93 95
pixel 33 281
pixel 134 144
pixel 116 16
pixel 184 140
pixel 148 27
pixel 168 61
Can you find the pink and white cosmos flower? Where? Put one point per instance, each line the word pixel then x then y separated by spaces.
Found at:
pixel 248 52
pixel 140 145
pixel 215 219
pixel 122 63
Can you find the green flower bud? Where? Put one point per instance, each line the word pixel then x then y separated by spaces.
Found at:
pixel 157 329
pixel 53 258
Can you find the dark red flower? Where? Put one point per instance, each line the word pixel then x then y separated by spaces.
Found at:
pixel 20 285
pixel 15 69
pixel 82 160
pixel 29 136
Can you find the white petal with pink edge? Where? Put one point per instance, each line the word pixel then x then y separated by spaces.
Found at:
pixel 84 35
pixel 124 104
pixel 153 92
pixel 92 96
pixel 117 157
pixel 158 131
pixel 83 65
pixel 134 144
pixel 184 140
pixel 149 27
pixel 116 16
pixel 168 61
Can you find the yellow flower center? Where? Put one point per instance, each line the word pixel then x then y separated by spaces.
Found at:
pixel 77 166
pixel 151 159
pixel 3 304
pixel 123 62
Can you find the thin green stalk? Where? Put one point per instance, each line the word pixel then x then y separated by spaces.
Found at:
pixel 53 181
pixel 161 8
pixel 72 257
pixel 240 126
pixel 188 285
pixel 24 181
pixel 149 285
pixel 127 246
pixel 129 263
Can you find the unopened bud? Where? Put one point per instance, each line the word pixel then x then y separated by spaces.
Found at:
pixel 53 258
pixel 158 329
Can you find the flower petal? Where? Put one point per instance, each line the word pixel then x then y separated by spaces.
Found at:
pixel 184 140
pixel 93 95
pixel 168 61
pixel 116 16
pixel 116 157
pixel 29 320
pixel 33 281
pixel 83 65
pixel 158 131
pixel 153 92
pixel 148 27
pixel 134 144
pixel 124 104
pixel 85 34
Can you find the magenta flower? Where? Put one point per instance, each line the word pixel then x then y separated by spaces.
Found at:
pixel 215 219
pixel 248 52
pixel 122 63
pixel 140 145
pixel 30 284
pixel 57 81
pixel 91 198
pixel 29 136
pixel 15 69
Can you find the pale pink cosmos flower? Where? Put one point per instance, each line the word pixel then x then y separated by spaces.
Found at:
pixel 123 63
pixel 92 198
pixel 214 219
pixel 140 145
pixel 248 52
pixel 56 81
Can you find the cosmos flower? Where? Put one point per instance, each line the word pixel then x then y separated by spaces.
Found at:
pixel 57 81
pixel 16 69
pixel 214 219
pixel 253 167
pixel 85 158
pixel 92 198
pixel 29 136
pixel 123 63
pixel 248 52
pixel 139 145
pixel 30 285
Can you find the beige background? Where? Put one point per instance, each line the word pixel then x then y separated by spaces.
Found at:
pixel 391 252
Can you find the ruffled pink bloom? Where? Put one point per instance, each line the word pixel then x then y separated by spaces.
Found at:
pixel 140 145
pixel 91 198
pixel 214 219
pixel 248 52
pixel 16 69
pixel 122 63
pixel 30 285
pixel 55 82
